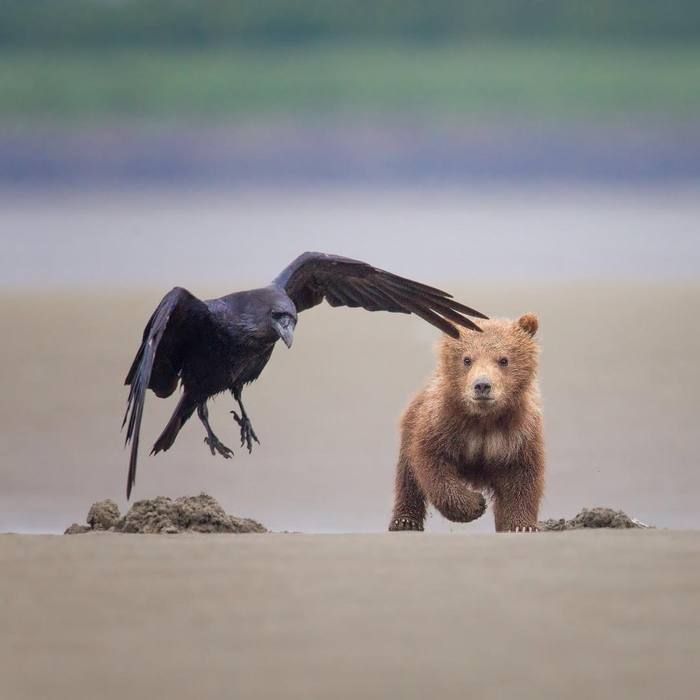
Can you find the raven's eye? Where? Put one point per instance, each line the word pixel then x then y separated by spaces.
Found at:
pixel 467 361
pixel 503 362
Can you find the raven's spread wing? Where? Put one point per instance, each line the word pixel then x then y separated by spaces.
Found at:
pixel 345 282
pixel 158 362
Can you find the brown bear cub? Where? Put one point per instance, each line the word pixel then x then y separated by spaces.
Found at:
pixel 477 426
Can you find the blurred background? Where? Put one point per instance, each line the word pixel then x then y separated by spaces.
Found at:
pixel 540 156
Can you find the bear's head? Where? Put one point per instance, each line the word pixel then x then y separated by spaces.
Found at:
pixel 492 371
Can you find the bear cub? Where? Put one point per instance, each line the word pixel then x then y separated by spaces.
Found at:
pixel 476 427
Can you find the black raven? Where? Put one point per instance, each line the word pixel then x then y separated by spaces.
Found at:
pixel 223 344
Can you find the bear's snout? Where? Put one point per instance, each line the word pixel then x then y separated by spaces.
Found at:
pixel 482 388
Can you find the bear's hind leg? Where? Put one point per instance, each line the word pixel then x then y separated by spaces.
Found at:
pixel 409 501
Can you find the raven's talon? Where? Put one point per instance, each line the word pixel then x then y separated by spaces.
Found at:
pixel 215 445
pixel 247 432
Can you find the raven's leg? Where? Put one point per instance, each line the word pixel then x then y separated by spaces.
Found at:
pixel 247 432
pixel 215 445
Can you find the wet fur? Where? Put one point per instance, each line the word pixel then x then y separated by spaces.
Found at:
pixel 453 449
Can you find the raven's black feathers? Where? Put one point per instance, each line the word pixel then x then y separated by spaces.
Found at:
pixel 345 282
pixel 225 343
pixel 174 319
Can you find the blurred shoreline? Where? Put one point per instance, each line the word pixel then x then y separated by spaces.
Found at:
pixel 343 153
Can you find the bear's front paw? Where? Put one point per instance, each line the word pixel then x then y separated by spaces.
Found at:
pixel 528 528
pixel 479 506
pixel 402 524
pixel 462 507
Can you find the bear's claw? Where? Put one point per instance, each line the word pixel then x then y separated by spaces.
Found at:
pixel 403 524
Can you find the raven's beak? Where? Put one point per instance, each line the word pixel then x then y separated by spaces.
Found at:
pixel 285 330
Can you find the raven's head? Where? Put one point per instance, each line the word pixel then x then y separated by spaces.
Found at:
pixel 283 316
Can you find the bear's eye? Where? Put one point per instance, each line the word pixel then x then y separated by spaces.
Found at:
pixel 503 362
pixel 467 361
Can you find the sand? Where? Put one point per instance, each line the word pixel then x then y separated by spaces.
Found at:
pixel 603 614
pixel 621 400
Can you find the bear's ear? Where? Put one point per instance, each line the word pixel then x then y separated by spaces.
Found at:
pixel 529 324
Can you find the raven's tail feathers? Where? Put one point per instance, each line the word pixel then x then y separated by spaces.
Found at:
pixel 139 377
pixel 183 411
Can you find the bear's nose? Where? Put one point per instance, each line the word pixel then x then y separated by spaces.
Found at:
pixel 482 387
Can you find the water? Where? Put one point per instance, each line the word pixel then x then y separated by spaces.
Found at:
pixel 228 237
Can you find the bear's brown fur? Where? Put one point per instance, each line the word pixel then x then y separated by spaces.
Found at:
pixel 477 426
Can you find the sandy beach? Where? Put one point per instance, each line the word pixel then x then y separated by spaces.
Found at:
pixel 605 614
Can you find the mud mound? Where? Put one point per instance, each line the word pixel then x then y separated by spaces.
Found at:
pixel 164 516
pixel 594 518
pixel 103 515
pixel 188 514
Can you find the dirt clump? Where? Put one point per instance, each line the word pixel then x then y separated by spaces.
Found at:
pixel 164 516
pixel 103 515
pixel 590 518
pixel 187 514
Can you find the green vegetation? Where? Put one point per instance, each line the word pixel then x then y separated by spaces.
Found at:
pixel 212 59
pixel 483 80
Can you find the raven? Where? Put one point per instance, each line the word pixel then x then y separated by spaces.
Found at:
pixel 222 344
